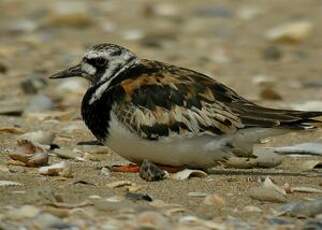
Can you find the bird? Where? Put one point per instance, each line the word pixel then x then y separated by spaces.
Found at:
pixel 172 116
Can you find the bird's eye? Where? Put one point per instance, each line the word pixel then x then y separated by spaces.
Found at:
pixel 100 61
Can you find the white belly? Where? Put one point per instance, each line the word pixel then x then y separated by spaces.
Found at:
pixel 197 151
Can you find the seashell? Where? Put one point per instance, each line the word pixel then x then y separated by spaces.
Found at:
pixel 290 32
pixel 95 197
pixel 268 183
pixel 251 208
pixel 305 189
pixel 310 164
pixel 40 137
pixel 118 184
pixel 37 159
pixel 28 147
pixel 188 173
pixel 267 194
pixel 115 199
pixel 20 157
pixel 55 169
pixel 170 212
pixel 197 194
pixel 9 183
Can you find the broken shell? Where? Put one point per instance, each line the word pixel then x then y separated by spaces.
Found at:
pixel 40 137
pixel 290 32
pixel 305 189
pixel 19 157
pixel 118 184
pixel 310 164
pixel 9 183
pixel 28 147
pixel 115 199
pixel 268 183
pixel 38 159
pixel 251 208
pixel 197 194
pixel 55 169
pixel 263 161
pixel 266 194
pixel 188 173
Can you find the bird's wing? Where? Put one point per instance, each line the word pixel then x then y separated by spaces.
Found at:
pixel 164 100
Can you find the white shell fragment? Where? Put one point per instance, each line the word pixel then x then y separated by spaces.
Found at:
pixel 40 137
pixel 56 169
pixel 290 32
pixel 118 184
pixel 314 149
pixel 9 183
pixel 268 183
pixel 251 208
pixel 305 189
pixel 268 192
pixel 197 194
pixel 188 173
pixel 265 161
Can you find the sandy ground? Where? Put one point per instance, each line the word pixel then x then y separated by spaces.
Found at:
pixel 225 39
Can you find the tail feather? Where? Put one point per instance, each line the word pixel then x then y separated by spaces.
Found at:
pixel 257 116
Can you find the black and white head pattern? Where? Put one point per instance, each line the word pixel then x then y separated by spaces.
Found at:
pixel 103 63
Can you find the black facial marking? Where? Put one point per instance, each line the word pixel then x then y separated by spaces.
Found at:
pixel 117 52
pixel 98 62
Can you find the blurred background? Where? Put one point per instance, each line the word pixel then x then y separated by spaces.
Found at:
pixel 268 51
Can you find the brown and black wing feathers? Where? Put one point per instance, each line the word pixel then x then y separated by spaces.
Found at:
pixel 162 100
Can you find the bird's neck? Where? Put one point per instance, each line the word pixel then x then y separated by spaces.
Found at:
pixel 110 78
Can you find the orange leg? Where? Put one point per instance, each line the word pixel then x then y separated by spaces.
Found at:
pixel 129 168
pixel 134 168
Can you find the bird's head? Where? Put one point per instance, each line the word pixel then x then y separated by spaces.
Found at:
pixel 101 63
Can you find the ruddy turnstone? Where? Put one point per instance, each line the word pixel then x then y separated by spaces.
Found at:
pixel 169 115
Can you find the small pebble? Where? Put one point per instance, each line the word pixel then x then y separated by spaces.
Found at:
pixel 272 53
pixel 33 85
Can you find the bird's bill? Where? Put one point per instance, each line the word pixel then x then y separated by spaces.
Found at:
pixel 74 71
